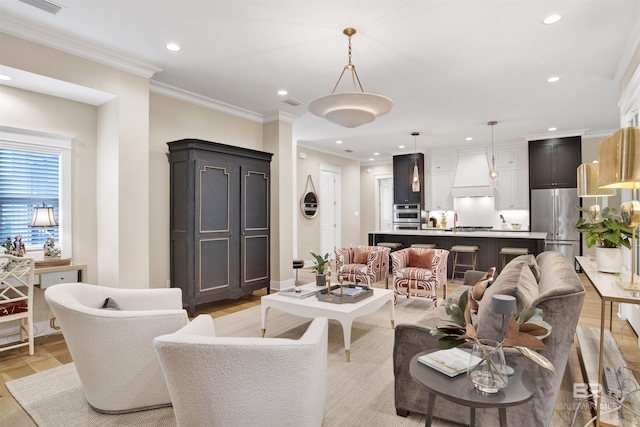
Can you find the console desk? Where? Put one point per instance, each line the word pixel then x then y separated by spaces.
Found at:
pixel 611 288
pixel 43 277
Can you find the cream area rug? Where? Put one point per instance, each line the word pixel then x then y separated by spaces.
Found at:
pixel 359 393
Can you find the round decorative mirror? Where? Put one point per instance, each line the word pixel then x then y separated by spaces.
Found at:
pixel 309 204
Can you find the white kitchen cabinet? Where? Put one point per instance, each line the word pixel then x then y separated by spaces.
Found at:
pixel 511 156
pixel 439 197
pixel 440 179
pixel 513 188
pixel 441 162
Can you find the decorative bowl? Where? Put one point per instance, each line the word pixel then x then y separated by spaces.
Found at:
pixel 516 226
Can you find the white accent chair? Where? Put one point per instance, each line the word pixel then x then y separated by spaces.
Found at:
pixel 113 349
pixel 224 381
pixel 16 297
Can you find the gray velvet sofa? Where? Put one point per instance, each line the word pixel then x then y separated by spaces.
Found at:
pixel 549 282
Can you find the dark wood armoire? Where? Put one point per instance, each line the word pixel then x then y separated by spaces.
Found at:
pixel 220 220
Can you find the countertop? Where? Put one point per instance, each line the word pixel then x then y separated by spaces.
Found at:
pixel 495 234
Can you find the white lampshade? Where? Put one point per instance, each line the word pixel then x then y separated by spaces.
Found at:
pixel 43 217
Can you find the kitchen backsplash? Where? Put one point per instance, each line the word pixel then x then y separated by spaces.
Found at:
pixel 480 211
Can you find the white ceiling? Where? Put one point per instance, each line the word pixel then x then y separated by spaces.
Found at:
pixel 449 66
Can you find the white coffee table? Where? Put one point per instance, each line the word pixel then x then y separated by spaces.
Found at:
pixel 344 313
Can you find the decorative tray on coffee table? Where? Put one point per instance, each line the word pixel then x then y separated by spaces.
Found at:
pixel 350 293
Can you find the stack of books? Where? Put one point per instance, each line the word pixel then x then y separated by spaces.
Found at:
pixel 451 362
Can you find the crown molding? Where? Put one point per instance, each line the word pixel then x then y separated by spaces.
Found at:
pixel 203 101
pixel 17 27
pixel 280 116
pixel 599 134
pixel 627 51
pixel 554 135
pixel 308 146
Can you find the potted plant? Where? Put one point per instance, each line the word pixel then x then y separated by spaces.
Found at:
pixel 320 265
pixel 608 234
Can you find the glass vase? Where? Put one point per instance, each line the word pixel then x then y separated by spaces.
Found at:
pixel 489 375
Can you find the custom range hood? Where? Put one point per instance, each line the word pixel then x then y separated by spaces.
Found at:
pixel 472 176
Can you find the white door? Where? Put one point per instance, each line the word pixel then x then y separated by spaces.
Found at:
pixel 385 207
pixel 329 210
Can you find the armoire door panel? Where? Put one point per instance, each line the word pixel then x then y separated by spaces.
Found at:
pixel 213 264
pixel 256 203
pixel 215 198
pixel 179 197
pixel 256 258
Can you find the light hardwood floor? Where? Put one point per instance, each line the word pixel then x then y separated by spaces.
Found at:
pixel 51 351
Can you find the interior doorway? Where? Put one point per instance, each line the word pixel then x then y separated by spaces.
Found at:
pixel 329 204
pixel 384 202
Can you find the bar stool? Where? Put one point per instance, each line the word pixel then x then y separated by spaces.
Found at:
pixel 424 245
pixel 458 249
pixel 297 265
pixel 505 252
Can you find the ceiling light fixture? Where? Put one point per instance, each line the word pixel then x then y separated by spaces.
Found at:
pixel 468 138
pixel 338 142
pixel 553 79
pixel 3 77
pixel 350 109
pixel 400 146
pixel 415 182
pixel 551 19
pixel 173 47
pixel 552 129
pixel 493 173
pixel 282 92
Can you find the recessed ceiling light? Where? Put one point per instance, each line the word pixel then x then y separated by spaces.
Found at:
pixel 552 129
pixel 553 79
pixel 3 77
pixel 173 47
pixel 376 154
pixel 338 142
pixel 468 138
pixel 371 160
pixel 282 92
pixel 552 19
pixel 400 146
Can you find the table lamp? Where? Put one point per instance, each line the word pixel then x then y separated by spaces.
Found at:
pixel 588 187
pixel 506 306
pixel 619 167
pixel 43 217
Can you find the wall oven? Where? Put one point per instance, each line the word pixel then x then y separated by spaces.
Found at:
pixel 407 226
pixel 406 214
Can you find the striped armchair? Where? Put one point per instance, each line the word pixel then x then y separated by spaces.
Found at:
pixel 363 264
pixel 420 272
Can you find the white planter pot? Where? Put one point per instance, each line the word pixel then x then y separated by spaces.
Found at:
pixel 609 260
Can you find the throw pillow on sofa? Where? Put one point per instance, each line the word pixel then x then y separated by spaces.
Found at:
pixel 518 281
pixel 478 290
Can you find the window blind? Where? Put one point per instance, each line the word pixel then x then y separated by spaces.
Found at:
pixel 27 179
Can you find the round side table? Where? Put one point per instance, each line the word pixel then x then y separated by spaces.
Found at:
pixel 459 389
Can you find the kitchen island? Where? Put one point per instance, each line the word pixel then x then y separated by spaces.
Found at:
pixel 489 243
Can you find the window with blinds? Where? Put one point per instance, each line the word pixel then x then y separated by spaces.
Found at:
pixel 27 179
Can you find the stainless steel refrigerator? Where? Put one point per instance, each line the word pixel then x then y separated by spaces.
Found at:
pixel 555 213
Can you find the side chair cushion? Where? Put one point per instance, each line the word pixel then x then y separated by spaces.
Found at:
pixel 421 259
pixel 354 269
pixel 361 256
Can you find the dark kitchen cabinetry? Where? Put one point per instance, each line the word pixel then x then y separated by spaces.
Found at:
pixel 219 203
pixel 402 179
pixel 553 162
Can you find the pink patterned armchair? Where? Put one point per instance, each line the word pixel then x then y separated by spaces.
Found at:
pixel 363 264
pixel 420 272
